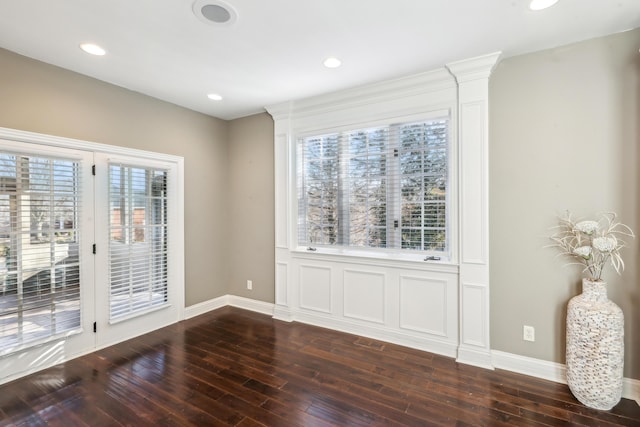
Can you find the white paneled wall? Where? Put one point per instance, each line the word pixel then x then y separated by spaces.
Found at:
pixel 440 306
pixel 402 304
pixel 315 288
pixel 424 303
pixel 364 294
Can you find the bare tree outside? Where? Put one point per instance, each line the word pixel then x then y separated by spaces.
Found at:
pixel 39 260
pixel 366 175
pixel 423 165
pixel 320 203
pixel 383 187
pixel 51 189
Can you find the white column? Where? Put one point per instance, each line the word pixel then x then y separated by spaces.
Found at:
pixel 283 152
pixel 472 76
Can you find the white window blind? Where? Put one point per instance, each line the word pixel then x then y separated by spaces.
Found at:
pixel 138 240
pixel 378 187
pixel 40 289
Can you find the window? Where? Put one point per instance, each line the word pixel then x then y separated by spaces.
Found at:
pixel 138 239
pixel 377 187
pixel 39 258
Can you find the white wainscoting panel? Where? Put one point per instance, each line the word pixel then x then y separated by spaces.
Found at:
pixel 364 295
pixel 412 304
pixel 474 306
pixel 473 183
pixel 423 305
pixel 281 283
pixel 315 288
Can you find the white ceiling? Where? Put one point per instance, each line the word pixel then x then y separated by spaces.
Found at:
pixel 275 49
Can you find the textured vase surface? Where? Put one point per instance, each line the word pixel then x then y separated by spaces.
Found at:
pixel 595 347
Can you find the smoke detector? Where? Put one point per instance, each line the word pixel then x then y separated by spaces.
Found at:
pixel 214 12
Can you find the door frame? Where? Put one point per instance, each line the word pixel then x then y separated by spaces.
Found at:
pixel 56 351
pixel 110 332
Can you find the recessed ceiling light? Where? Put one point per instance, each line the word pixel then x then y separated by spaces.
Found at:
pixel 541 4
pixel 93 49
pixel 214 97
pixel 214 12
pixel 332 62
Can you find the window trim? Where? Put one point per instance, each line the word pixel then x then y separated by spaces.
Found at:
pixel 431 113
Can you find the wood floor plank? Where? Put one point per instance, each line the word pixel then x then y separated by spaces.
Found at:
pixel 232 367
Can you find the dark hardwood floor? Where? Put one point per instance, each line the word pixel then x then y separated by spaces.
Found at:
pixel 234 367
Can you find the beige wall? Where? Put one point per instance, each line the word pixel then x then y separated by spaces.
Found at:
pixel 41 98
pixel 564 134
pixel 251 207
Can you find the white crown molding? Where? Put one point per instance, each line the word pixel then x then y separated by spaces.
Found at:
pixel 412 85
pixel 280 111
pixel 476 68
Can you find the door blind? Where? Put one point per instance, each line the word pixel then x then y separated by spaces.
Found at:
pixel 138 240
pixel 40 205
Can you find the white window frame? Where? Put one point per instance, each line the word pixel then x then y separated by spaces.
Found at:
pixel 422 97
pixel 170 171
pixel 395 252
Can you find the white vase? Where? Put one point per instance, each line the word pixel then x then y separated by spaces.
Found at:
pixel 595 347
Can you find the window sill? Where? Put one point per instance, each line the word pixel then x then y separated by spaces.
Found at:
pixel 384 259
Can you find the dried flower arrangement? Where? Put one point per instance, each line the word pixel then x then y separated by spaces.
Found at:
pixel 592 243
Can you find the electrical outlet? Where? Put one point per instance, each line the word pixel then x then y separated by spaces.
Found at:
pixel 249 284
pixel 528 333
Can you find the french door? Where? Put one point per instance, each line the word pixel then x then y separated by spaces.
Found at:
pixel 46 266
pixel 90 250
pixel 135 246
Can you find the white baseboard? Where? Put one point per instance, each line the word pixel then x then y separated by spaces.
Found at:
pixel 232 300
pixel 529 366
pixel 251 304
pixel 342 325
pixel 552 371
pixel 631 388
pixel 282 313
pixel 475 357
pixel 206 306
pixel 511 362
pixel 378 333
